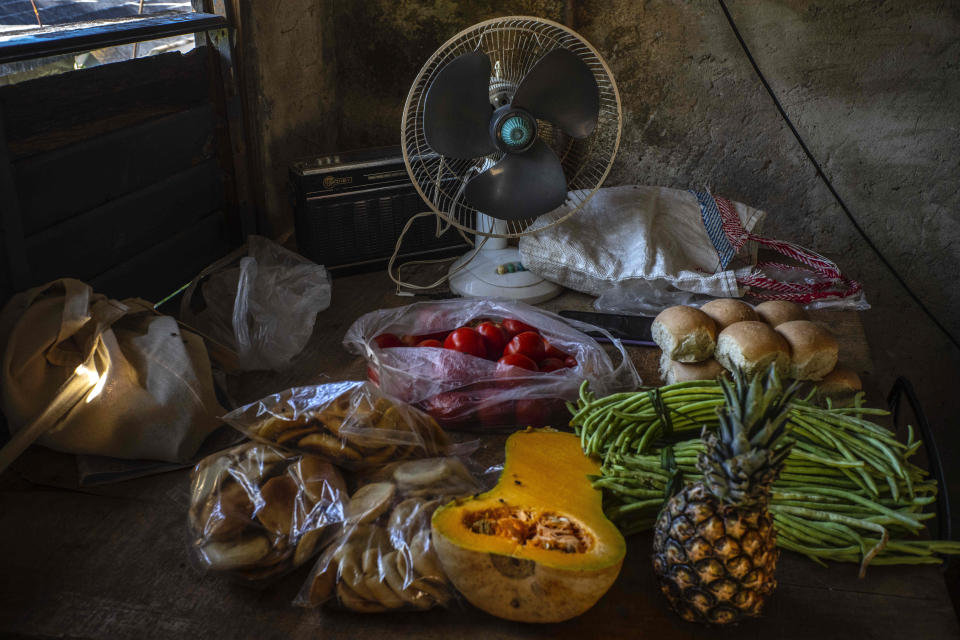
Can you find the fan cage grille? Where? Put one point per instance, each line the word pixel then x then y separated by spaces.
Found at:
pixel 514 45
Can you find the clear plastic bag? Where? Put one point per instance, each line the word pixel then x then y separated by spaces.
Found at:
pixel 257 512
pixel 384 558
pixel 650 297
pixel 352 424
pixel 809 288
pixel 646 298
pixel 262 305
pixel 464 391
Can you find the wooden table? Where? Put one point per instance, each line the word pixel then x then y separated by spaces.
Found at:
pixel 111 561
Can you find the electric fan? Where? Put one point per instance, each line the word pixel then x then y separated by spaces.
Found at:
pixel 510 119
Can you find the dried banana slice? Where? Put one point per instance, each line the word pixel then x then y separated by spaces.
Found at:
pixel 324 581
pixel 375 582
pixel 404 512
pixel 425 560
pixel 393 420
pixel 350 571
pixel 370 502
pixel 279 495
pixel 257 573
pixel 307 545
pixel 209 476
pixel 356 602
pixel 294 434
pixel 395 579
pixel 226 513
pixel 379 456
pixel 329 446
pixel 439 593
pixel 273 426
pixel 322 482
pixel 223 556
pixel 429 472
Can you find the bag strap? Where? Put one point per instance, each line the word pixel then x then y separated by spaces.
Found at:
pixel 82 383
pixel 829 282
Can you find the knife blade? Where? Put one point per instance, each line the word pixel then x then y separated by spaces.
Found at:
pixel 631 330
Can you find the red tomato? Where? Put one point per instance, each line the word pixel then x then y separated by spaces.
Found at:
pixel 515 360
pixel 552 352
pixel 550 364
pixel 449 408
pixel 372 374
pixel 410 340
pixel 513 327
pixel 570 362
pixel 387 340
pixel 496 413
pixel 531 413
pixel 541 412
pixel 466 340
pixel 527 343
pixel 431 343
pixel 494 338
pixel 438 335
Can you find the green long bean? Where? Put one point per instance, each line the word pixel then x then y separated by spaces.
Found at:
pixel 848 492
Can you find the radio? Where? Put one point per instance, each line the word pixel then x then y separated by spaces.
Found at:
pixel 349 210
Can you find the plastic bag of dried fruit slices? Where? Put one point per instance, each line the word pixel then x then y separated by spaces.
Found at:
pixel 384 559
pixel 461 390
pixel 351 424
pixel 258 512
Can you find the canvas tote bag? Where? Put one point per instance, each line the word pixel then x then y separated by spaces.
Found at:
pixel 673 240
pixel 85 374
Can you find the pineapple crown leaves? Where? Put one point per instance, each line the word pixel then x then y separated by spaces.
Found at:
pixel 746 455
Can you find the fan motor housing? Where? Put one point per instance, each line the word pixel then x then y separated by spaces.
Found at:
pixel 512 129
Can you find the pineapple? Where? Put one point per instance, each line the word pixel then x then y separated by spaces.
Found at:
pixel 714 547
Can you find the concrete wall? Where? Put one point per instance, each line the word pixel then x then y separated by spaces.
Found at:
pixel 873 87
pixel 330 75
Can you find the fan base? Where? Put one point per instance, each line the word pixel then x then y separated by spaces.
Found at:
pixel 480 278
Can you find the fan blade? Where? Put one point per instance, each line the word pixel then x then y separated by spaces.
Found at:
pixel 457 110
pixel 520 186
pixel 561 89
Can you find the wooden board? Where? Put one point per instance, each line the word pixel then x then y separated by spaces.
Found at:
pixel 112 561
pixel 55 111
pixel 163 267
pixel 66 182
pixel 88 245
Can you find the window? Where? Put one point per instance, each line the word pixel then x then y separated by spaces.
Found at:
pixel 20 18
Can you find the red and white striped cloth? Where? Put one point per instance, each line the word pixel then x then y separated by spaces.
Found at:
pixel 821 280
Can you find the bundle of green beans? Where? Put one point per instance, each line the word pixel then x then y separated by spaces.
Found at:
pixel 848 492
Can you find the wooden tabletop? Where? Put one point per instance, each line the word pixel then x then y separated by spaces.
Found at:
pixel 111 561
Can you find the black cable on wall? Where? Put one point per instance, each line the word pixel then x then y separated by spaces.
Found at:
pixel 826 181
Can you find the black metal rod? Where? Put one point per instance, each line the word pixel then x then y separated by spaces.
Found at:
pixel 903 387
pixel 53 41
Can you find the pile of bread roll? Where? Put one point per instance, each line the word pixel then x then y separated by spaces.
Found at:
pixel 700 344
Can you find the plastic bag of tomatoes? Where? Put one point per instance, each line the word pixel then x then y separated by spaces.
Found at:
pixel 481 363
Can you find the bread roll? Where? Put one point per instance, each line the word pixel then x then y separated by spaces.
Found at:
pixel 726 311
pixel 685 334
pixel 840 385
pixel 813 350
pixel 672 371
pixel 752 346
pixel 776 312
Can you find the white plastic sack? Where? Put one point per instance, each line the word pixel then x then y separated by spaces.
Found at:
pixel 644 248
pixel 263 305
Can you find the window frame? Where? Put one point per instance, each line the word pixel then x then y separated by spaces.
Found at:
pixel 86 36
